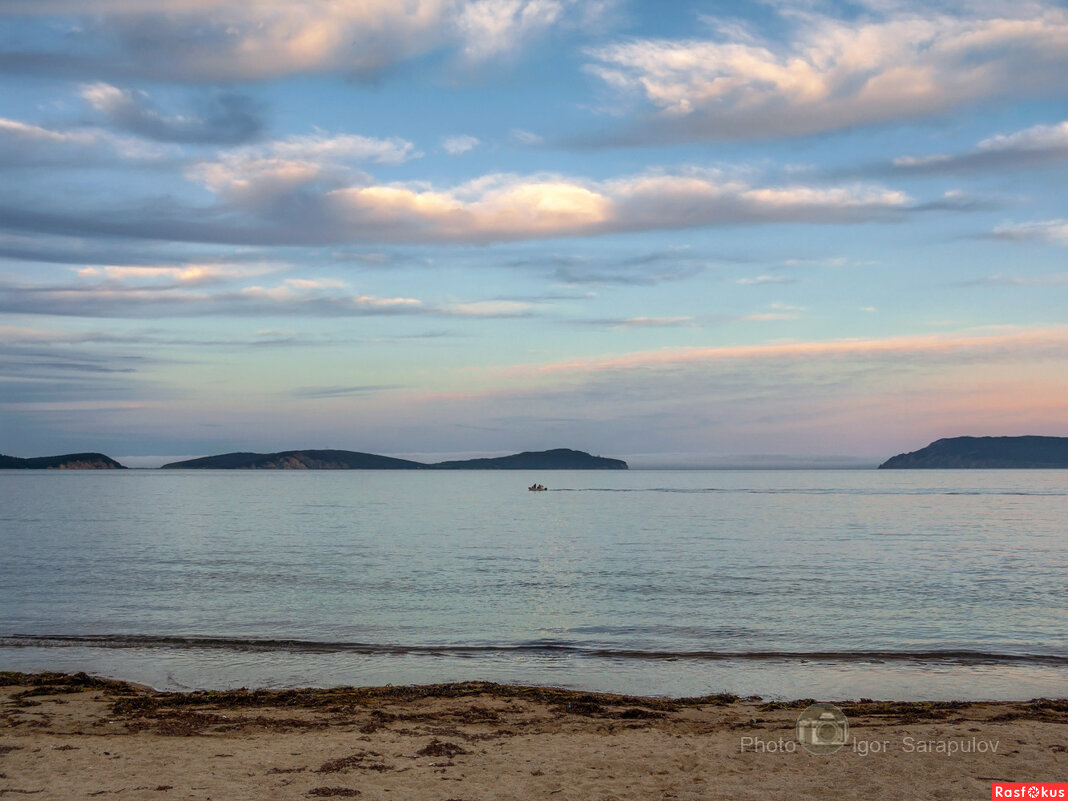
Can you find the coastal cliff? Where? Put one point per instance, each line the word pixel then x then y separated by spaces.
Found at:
pixel 985 452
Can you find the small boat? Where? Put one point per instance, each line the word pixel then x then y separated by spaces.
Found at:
pixel 537 488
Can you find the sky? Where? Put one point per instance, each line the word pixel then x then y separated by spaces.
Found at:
pixel 688 233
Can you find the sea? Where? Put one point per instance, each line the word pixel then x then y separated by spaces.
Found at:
pixel 827 584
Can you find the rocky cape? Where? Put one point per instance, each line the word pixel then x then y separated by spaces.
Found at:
pixel 557 459
pixel 70 461
pixel 985 452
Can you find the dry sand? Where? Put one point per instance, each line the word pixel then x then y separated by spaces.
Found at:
pixel 76 737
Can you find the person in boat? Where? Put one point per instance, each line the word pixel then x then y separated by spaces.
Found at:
pixel 536 488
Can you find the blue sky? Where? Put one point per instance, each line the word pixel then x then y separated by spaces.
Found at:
pixel 686 233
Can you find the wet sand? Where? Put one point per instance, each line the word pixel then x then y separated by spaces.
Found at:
pixel 78 737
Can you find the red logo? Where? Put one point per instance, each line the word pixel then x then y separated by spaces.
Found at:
pixel 1029 790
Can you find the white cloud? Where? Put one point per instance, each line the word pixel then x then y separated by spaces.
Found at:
pixel 511 207
pixel 527 138
pixel 342 148
pixel 491 27
pixel 488 308
pixel 194 290
pixel 14 130
pixel 262 172
pixel 236 40
pixel 458 145
pixel 1038 137
pixel 1035 146
pixel 767 279
pixel 835 74
pixel 764 317
pixel 322 201
pixel 1054 231
pixel 131 293
pixel 23 144
pixel 653 322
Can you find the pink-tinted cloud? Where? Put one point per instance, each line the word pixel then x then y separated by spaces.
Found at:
pixel 832 74
pixel 508 207
pixel 1047 341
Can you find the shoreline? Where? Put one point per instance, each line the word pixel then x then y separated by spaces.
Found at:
pixel 52 682
pixel 76 736
pixel 775 677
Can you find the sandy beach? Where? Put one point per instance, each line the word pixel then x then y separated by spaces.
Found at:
pixel 79 737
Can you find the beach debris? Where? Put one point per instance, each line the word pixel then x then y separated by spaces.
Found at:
pixel 361 760
pixel 333 792
pixel 441 748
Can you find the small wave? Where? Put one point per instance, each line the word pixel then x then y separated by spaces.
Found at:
pixel 864 491
pixel 547 649
pixel 678 490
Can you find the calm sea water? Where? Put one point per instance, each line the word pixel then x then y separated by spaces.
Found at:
pixel 829 584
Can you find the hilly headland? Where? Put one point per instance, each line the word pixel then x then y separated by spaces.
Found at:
pixel 70 461
pixel 985 452
pixel 556 459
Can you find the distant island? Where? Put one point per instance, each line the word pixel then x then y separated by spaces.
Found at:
pixel 557 459
pixel 70 461
pixel 296 460
pixel 985 452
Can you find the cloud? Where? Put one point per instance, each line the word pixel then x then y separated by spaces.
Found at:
pixel 152 292
pixel 767 279
pixel 526 138
pixel 64 250
pixel 299 159
pixel 803 397
pixel 641 269
pixel 646 269
pixel 510 207
pixel 306 191
pixel 644 322
pixel 25 145
pixel 343 391
pixel 779 311
pixel 957 348
pixel 458 145
pixel 138 293
pixel 1052 231
pixel 1037 146
pixel 1038 137
pixel 220 119
pixel 41 365
pixel 321 147
pixel 504 207
pixel 254 40
pixel 22 144
pixel 1052 280
pixel 491 27
pixel 832 74
pixel 175 275
pixel 835 261
pixel 256 175
pixel 488 308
